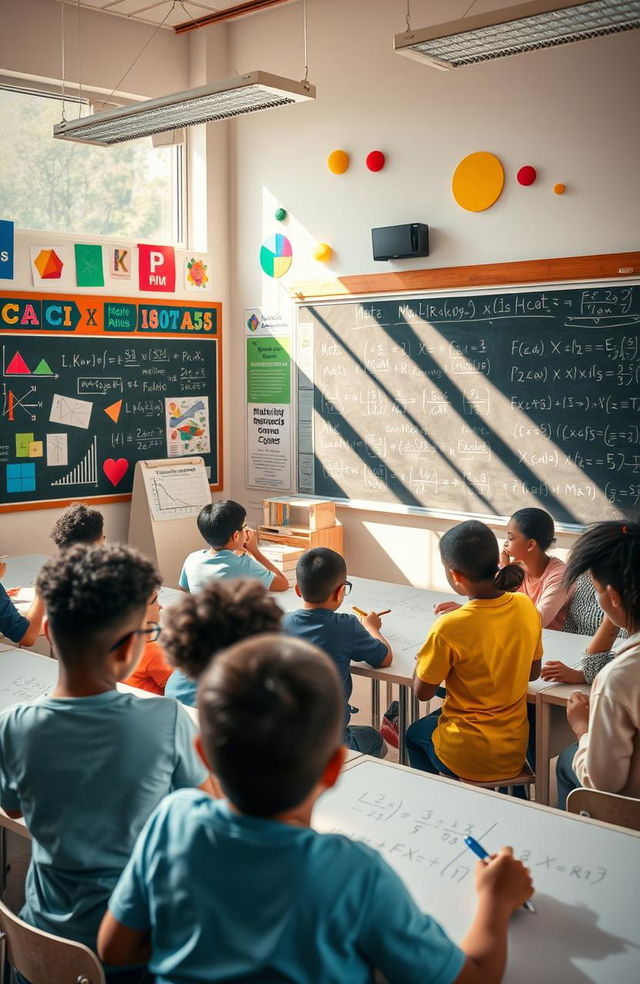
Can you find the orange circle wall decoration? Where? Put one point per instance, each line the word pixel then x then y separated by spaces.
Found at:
pixel 478 181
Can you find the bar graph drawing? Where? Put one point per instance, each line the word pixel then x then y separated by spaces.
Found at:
pixel 85 472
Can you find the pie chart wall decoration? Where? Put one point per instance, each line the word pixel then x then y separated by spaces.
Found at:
pixel 478 181
pixel 276 255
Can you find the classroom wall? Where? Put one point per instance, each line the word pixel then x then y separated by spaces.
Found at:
pixel 569 111
pixel 170 64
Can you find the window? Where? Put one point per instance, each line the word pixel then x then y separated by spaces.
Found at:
pixel 132 190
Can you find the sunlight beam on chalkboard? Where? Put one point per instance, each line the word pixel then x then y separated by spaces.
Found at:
pixel 498 418
pixel 401 489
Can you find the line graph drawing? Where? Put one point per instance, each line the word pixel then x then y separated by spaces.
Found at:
pixel 12 402
pixel 178 492
pixel 86 471
pixel 73 413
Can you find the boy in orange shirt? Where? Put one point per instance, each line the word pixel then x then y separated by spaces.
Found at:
pixel 486 651
pixel 152 671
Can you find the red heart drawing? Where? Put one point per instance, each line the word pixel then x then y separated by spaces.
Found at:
pixel 115 470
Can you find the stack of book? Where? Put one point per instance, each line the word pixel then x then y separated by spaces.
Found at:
pixel 283 557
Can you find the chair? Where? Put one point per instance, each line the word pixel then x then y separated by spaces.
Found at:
pixel 607 807
pixel 43 958
pixel 525 778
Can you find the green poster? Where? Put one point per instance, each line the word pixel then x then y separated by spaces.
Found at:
pixel 89 269
pixel 268 370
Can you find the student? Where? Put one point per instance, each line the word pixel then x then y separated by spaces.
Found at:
pixel 152 670
pixel 222 613
pixel 233 550
pixel 321 576
pixel 23 630
pixel 244 889
pixel 597 654
pixel 607 724
pixel 486 652
pixel 530 533
pixel 86 765
pixel 78 524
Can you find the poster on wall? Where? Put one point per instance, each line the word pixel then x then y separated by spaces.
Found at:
pixel 6 249
pixel 269 429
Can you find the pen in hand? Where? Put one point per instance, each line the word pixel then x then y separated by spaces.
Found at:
pixel 484 855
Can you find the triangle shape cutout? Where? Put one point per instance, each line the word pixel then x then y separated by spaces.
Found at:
pixel 113 411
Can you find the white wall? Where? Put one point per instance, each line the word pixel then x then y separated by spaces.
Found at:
pixel 570 111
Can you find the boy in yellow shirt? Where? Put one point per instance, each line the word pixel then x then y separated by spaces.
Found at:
pixel 486 651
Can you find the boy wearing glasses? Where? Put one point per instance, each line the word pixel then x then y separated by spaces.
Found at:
pixel 88 764
pixel 233 550
pixel 321 583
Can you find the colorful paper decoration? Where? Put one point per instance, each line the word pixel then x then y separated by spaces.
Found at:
pixel 113 411
pixel 120 262
pixel 478 181
pixel 89 270
pixel 375 160
pixel 322 252
pixel 115 470
pixel 276 255
pixel 280 214
pixel 156 267
pixel 6 249
pixel 526 175
pixel 48 264
pixel 196 272
pixel 559 188
pixel 338 161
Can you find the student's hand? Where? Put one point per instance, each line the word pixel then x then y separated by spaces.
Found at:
pixel 3 570
pixel 445 606
pixel 560 673
pixel 504 879
pixel 251 541
pixel 372 622
pixel 578 713
pixel 13 592
pixel 505 556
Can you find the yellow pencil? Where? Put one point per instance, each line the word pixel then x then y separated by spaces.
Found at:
pixel 385 612
pixel 359 611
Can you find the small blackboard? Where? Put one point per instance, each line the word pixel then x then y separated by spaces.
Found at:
pixel 90 386
pixel 475 403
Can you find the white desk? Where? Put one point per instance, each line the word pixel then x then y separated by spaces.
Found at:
pixel 406 627
pixel 553 731
pixel 586 929
pixel 23 570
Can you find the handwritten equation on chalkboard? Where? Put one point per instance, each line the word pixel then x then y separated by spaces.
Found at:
pixel 433 840
pixel 78 411
pixel 477 404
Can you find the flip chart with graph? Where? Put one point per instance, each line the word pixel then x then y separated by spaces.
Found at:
pixel 176 491
pixel 91 385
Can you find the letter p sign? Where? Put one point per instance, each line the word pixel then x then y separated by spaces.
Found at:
pixel 157 268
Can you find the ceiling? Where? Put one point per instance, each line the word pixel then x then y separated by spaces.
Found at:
pixel 154 11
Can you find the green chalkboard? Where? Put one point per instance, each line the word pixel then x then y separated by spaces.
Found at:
pixel 78 410
pixel 475 403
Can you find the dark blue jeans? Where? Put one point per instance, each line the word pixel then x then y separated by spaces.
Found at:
pixel 128 975
pixel 567 779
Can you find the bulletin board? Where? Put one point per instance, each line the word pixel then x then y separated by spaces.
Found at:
pixel 91 385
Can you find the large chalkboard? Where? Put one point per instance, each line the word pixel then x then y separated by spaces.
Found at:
pixel 90 386
pixel 480 403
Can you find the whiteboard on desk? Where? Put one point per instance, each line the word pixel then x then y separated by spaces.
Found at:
pixel 24 676
pixel 586 928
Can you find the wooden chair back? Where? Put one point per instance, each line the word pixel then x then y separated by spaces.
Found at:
pixel 43 958
pixel 607 807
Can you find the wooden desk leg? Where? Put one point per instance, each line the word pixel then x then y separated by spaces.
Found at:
pixel 389 693
pixel 402 724
pixel 543 759
pixel 375 703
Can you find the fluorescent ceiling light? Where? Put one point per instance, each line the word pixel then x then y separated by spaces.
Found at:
pixel 235 97
pixel 514 30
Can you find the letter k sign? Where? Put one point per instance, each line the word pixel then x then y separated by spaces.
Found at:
pixel 156 267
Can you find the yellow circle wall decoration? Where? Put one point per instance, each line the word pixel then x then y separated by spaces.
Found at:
pixel 338 161
pixel 478 181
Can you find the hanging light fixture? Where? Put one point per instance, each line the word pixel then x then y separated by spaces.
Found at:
pixel 515 30
pixel 238 96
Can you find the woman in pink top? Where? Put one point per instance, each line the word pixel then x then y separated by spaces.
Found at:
pixel 530 533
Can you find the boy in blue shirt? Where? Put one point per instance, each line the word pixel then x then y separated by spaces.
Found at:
pixel 87 764
pixel 20 629
pixel 78 524
pixel 233 550
pixel 321 576
pixel 244 890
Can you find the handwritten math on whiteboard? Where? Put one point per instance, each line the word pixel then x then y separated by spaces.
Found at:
pixel 585 928
pixel 481 403
pixel 91 385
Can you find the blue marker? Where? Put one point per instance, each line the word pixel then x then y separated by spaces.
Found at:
pixel 479 850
